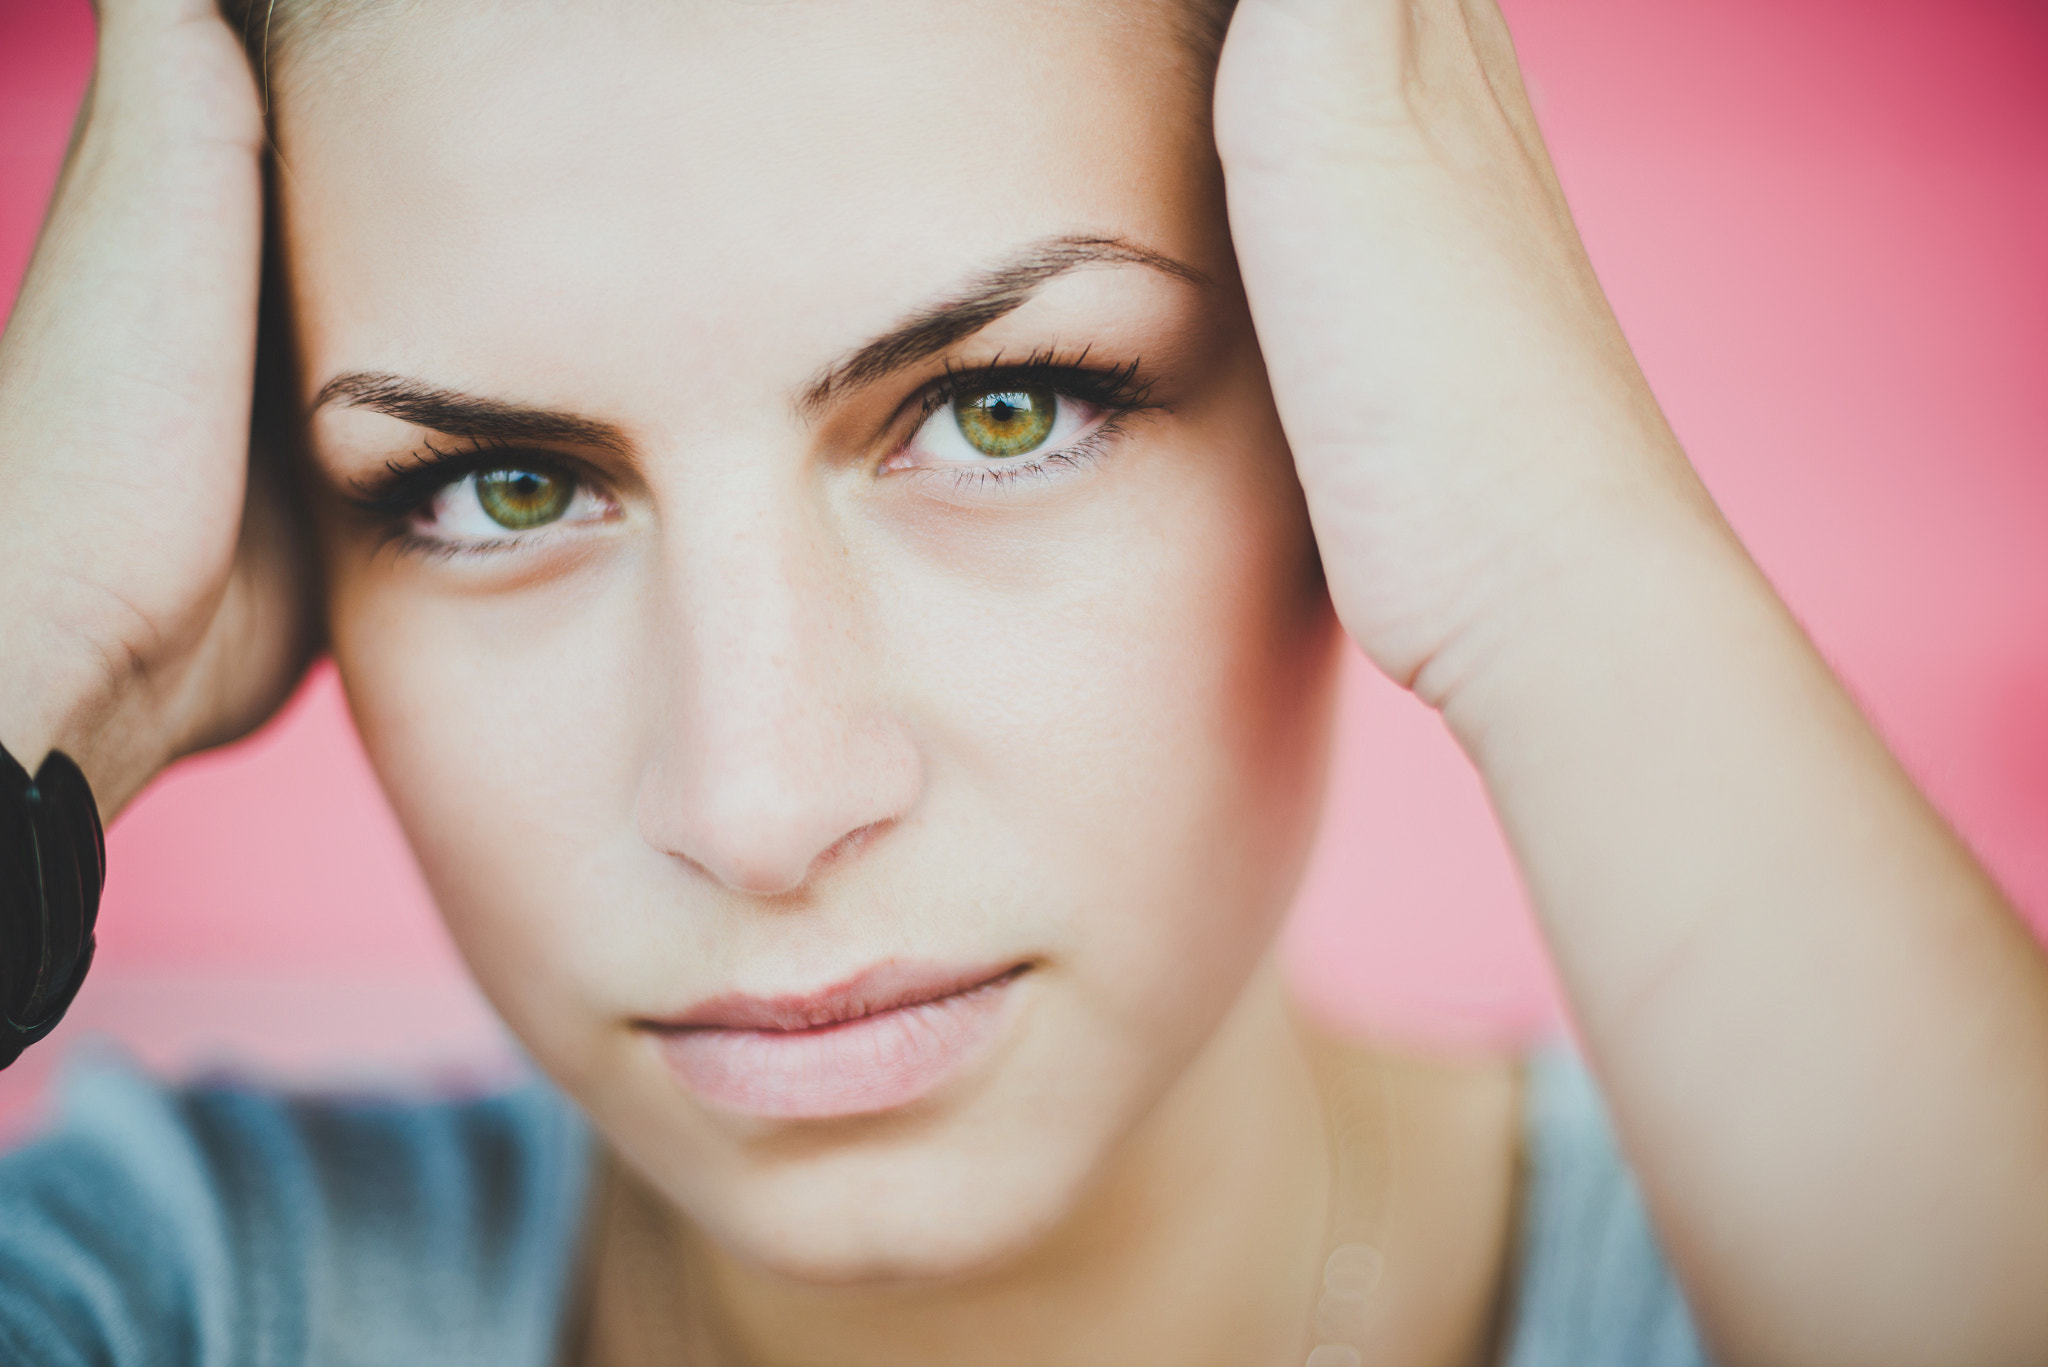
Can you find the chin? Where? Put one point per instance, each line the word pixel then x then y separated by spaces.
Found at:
pixel 908 1247
pixel 888 1199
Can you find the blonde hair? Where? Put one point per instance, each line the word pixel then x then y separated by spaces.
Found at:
pixel 273 30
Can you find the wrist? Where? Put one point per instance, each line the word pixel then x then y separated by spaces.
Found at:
pixel 1640 616
pixel 62 688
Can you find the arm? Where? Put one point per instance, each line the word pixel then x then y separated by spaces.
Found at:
pixel 1822 1031
pixel 148 605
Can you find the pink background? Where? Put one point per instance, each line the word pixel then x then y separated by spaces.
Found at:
pixel 1825 226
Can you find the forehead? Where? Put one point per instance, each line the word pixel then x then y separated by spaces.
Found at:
pixel 655 173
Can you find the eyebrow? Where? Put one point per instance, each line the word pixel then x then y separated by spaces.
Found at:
pixel 978 302
pixel 981 300
pixel 465 415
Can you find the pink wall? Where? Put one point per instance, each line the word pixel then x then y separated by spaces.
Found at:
pixel 1825 226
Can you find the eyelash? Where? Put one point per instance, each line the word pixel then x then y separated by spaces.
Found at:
pixel 411 483
pixel 1119 393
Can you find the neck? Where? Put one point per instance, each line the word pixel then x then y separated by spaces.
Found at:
pixel 1202 1243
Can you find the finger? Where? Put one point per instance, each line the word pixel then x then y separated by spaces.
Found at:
pixel 1475 110
pixel 267 630
pixel 158 13
pixel 173 71
pixel 1493 47
pixel 1328 76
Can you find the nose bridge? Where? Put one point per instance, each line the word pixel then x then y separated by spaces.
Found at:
pixel 748 601
pixel 771 747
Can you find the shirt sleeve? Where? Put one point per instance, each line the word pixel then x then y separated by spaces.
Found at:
pixel 113 1246
pixel 234 1227
pixel 1593 1286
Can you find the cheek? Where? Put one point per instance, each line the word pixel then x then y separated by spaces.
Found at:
pixel 1121 711
pixel 495 726
pixel 1140 709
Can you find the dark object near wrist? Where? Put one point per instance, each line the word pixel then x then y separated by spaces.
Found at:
pixel 53 863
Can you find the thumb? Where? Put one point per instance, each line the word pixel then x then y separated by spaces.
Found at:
pixel 1312 77
pixel 174 73
pixel 1387 80
pixel 161 13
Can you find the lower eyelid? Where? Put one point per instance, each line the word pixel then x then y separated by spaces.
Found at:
pixel 1075 456
pixel 419 530
pixel 443 548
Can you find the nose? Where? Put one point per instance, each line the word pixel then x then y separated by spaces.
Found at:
pixel 774 754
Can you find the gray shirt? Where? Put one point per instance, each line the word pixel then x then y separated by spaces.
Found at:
pixel 218 1226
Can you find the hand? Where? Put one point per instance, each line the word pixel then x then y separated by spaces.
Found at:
pixel 152 595
pixel 1465 414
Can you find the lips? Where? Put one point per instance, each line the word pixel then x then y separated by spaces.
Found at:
pixel 882 1039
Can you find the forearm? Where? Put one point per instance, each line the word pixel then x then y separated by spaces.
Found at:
pixel 1822 1030
pixel 109 375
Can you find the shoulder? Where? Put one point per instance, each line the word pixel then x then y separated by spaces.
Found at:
pixel 1592 1287
pixel 1517 1159
pixel 223 1224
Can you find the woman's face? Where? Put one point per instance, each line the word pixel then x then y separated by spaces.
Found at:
pixel 816 566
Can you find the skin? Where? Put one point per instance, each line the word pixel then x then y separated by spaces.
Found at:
pixel 752 721
pixel 1823 1034
pixel 1111 683
pixel 1822 1030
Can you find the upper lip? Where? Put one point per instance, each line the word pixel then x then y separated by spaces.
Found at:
pixel 888 986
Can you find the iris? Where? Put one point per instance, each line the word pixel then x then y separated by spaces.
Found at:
pixel 519 499
pixel 1009 421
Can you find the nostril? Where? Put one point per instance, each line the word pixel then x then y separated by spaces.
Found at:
pixel 847 845
pixel 766 814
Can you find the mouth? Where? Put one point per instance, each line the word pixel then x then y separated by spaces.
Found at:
pixel 882 1039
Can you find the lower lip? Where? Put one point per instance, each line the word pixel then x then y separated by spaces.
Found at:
pixel 857 1067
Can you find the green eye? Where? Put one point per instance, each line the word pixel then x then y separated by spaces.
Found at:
pixel 1006 422
pixel 520 499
